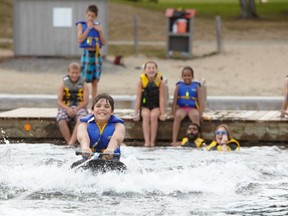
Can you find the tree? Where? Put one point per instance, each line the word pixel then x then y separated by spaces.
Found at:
pixel 248 9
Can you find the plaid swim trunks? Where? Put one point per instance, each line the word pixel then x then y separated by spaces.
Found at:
pixel 63 115
pixel 91 66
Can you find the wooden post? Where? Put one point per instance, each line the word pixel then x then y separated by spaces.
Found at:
pixel 203 98
pixel 218 33
pixel 243 6
pixel 136 34
pixel 248 9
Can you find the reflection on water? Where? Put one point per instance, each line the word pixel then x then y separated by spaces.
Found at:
pixel 36 180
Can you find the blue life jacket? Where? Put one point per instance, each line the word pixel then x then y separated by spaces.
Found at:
pixel 99 139
pixel 93 37
pixel 187 94
pixel 73 92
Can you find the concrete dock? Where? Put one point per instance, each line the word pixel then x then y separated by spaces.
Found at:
pixel 250 127
pixel 10 101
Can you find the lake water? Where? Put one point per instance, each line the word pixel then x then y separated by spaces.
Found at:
pixel 35 180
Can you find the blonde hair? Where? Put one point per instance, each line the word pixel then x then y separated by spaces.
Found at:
pixel 74 65
pixel 150 62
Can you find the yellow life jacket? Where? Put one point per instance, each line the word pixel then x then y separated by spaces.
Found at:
pixel 73 93
pixel 197 143
pixel 150 91
pixel 145 80
pixel 215 146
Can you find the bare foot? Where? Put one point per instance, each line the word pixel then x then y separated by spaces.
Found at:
pixel 74 145
pixel 175 143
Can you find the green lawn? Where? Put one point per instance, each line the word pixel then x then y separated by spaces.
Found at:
pixel 215 1
pixel 273 10
pixel 6 18
pixel 229 10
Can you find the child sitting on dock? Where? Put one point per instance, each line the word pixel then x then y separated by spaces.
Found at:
pixel 193 137
pixel 223 141
pixel 150 102
pixel 186 102
pixel 72 99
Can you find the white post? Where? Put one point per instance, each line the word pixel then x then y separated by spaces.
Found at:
pixel 218 33
pixel 136 35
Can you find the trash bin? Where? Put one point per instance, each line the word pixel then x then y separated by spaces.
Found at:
pixel 179 36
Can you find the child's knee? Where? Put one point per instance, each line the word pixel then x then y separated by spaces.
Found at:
pixel 62 122
pixel 179 116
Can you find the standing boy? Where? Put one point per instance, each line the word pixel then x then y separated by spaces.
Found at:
pixel 72 99
pixel 91 38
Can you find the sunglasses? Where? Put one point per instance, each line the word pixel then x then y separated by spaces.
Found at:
pixel 220 132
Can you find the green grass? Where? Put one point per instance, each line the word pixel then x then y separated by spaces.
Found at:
pixel 273 10
pixel 229 10
pixel 126 50
pixel 6 18
pixel 214 1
